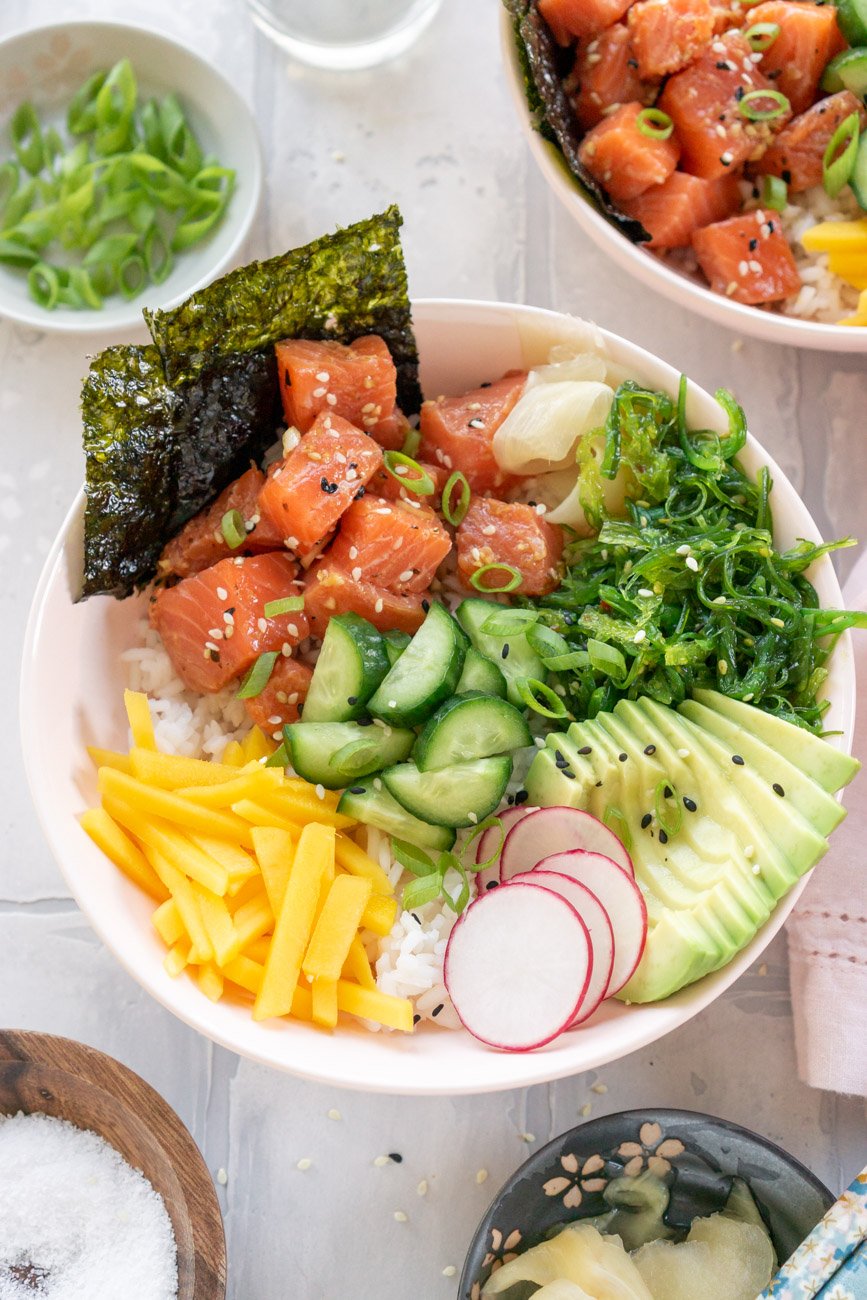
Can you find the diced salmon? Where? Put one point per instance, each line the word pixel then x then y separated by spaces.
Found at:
pixel 357 381
pixel 605 76
pixel 673 211
pixel 213 624
pixel 704 102
pixel 747 258
pixel 624 160
pixel 399 488
pixel 458 432
pixel 808 39
pixel 668 34
pixel 796 155
pixel 569 19
pixel 726 16
pixel 331 590
pixel 394 544
pixel 308 491
pixel 278 703
pixel 201 543
pixel 509 533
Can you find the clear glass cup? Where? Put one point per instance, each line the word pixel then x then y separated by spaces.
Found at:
pixel 343 34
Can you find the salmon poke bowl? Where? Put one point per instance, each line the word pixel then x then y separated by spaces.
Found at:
pixel 454 697
pixel 717 151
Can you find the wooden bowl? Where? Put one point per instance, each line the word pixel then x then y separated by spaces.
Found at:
pixel 55 1076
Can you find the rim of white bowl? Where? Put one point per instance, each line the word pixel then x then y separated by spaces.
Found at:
pixel 771 327
pixel 92 322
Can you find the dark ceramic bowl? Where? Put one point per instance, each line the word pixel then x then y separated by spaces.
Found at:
pixel 566 1179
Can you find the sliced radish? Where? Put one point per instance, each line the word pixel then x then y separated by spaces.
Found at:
pixel 486 846
pixel 517 967
pixel 599 928
pixel 557 830
pixel 621 898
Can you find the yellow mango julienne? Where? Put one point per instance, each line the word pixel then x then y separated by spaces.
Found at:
pixel 336 927
pixel 141 723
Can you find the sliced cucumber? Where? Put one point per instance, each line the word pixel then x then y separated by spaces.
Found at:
pixel 468 727
pixel 352 662
pixel 514 657
pixel 460 795
pixel 480 674
pixel 858 179
pixel 335 754
pixel 375 807
pixel 425 674
pixel 848 71
pixel 395 644
pixel 852 20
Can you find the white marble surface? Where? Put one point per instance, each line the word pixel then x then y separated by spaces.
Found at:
pixel 435 132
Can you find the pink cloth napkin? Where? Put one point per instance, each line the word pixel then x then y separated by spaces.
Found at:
pixel 828 928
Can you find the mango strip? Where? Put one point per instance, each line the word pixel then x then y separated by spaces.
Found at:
pixel 258 815
pixel 173 771
pixel 357 967
pixel 335 929
pixel 210 981
pixel 324 1002
pixel 258 949
pixel 252 921
pixel 239 864
pixel 274 852
pixel 379 914
pixel 140 721
pixel 164 803
pixel 177 958
pixel 218 924
pixel 187 904
pixel 109 758
pixel 354 859
pixel 256 745
pixel 247 785
pixel 836 236
pixel 172 843
pixel 105 832
pixel 245 972
pixel 370 1004
pixel 233 755
pixel 168 923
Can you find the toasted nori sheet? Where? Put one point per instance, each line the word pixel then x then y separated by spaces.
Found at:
pixel 168 426
pixel 545 64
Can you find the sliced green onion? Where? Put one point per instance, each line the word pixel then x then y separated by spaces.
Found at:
pixel 9 178
pixel 181 148
pixel 761 36
pixel 355 757
pixel 546 642
pixel 27 141
pixel 455 513
pixel 508 622
pixel 81 290
pixel 566 663
pixel 450 862
pixel 285 605
pixel 132 275
pixel 280 757
pixel 257 677
pixel 14 253
pixel 198 222
pixel 424 890
pixel 607 659
pixel 81 114
pixel 112 248
pixel 838 161
pixel 44 285
pixel 158 257
pixel 737 436
pixel 750 105
pixel 775 193
pixel 540 698
pixel 411 442
pixel 488 824
pixel 655 124
pixel 421 482
pixel 669 816
pixel 515 578
pixel 412 858
pixel 233 529
pixel 614 819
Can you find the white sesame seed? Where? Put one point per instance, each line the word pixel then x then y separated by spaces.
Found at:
pixel 481 1176
pixel 489 530
pixel 778 622
pixel 421 1190
pixel 222 1177
pixel 286 650
pixel 722 667
pixel 639 636
pixel 719 600
pixel 356 573
pixel 222 594
pixel 228 618
pixel 763 970
pixel 291 542
pixel 275 720
pixel 405 576
pixel 472 817
pixel 449 1270
pixel 749 852
pixel 392 704
pixel 209 645
pixel 323 376
pixel 539 742
pixel 683 753
pixel 400 1216
pixel 320 792
pixel 743 267
pixel 262 624
pixel 351 475
pixel 645 593
pixel 353 552
pixel 757 871
pixel 381 1161
pixel 541 508
pixel 319 392
pixel 379 605
pixel 692 563
pixel 331 399
pixel 304 1164
pixel 377 783
pixel 684 549
pixel 600 1088
pixel 585 1109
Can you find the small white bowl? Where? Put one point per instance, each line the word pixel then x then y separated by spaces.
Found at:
pixel 688 291
pixel 47 65
pixel 72 696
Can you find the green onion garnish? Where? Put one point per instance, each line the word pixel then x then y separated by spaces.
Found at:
pixel 455 513
pixel 615 821
pixel 839 158
pixel 415 477
pixel 451 862
pixel 655 124
pixel 233 529
pixel 540 698
pixel 280 757
pixel 546 642
pixel 606 659
pixel 424 890
pixel 488 824
pixel 508 622
pixel 761 36
pixel 412 858
pixel 669 815
pixel 357 758
pixel 514 581
pixel 44 285
pixel 257 677
pixel 285 605
pixel 411 442
pixel 775 193
pixel 750 106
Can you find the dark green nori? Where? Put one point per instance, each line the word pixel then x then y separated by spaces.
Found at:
pixel 545 64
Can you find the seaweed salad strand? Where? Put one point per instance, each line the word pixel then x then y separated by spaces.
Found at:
pixel 687 590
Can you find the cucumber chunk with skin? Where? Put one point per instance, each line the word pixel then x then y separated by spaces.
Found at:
pixel 467 727
pixel 460 795
pixel 395 644
pixel 335 754
pixel 352 662
pixel 425 674
pixel 480 674
pixel 375 807
pixel 513 654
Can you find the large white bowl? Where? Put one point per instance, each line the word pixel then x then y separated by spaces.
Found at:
pixel 71 696
pixel 688 291
pixel 47 65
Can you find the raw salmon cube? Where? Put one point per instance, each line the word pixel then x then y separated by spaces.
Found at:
pixel 201 543
pixel 605 76
pixel 278 703
pixel 308 491
pixel 501 532
pixel 394 544
pixel 797 153
pixel 458 432
pixel 748 258
pixel 624 160
pixel 673 211
pixel 668 34
pixel 569 19
pixel 357 381
pixel 808 39
pixel 213 624
pixel 399 488
pixel 331 590
pixel 705 104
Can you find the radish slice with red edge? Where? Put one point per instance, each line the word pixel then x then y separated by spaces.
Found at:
pixel 517 967
pixel 557 830
pixel 486 846
pixel 621 898
pixel 599 928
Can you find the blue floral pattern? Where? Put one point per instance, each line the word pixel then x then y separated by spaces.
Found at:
pixel 830 1264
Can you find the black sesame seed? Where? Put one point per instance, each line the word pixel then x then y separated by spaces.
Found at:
pixel 598 785
pixel 585 749
pixel 559 759
pixel 649 749
pixel 667 792
pixel 356 789
pixel 722 66
pixel 329 488
pixel 364 722
pixel 352 699
pixel 663 838
pixel 486 384
pixel 778 789
pixel 510 800
pixel 416 1019
pixel 396 1157
pixel 753 245
pixel 287 379
pixel 737 760
pixel 771 227
pixel 632 63
pixel 504 653
pixel 689 804
pixel 425 604
pixel 521 797
pixel 415 918
pixel 739 93
pixel 786 175
pixel 492 884
pixel 359 494
pixel 437 1009
pixel 646 820
pixel 622 757
pixel 568 773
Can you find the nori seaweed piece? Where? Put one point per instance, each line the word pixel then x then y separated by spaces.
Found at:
pixel 553 116
pixel 339 287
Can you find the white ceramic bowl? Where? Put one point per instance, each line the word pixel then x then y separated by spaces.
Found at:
pixel 47 65
pixel 71 696
pixel 689 291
